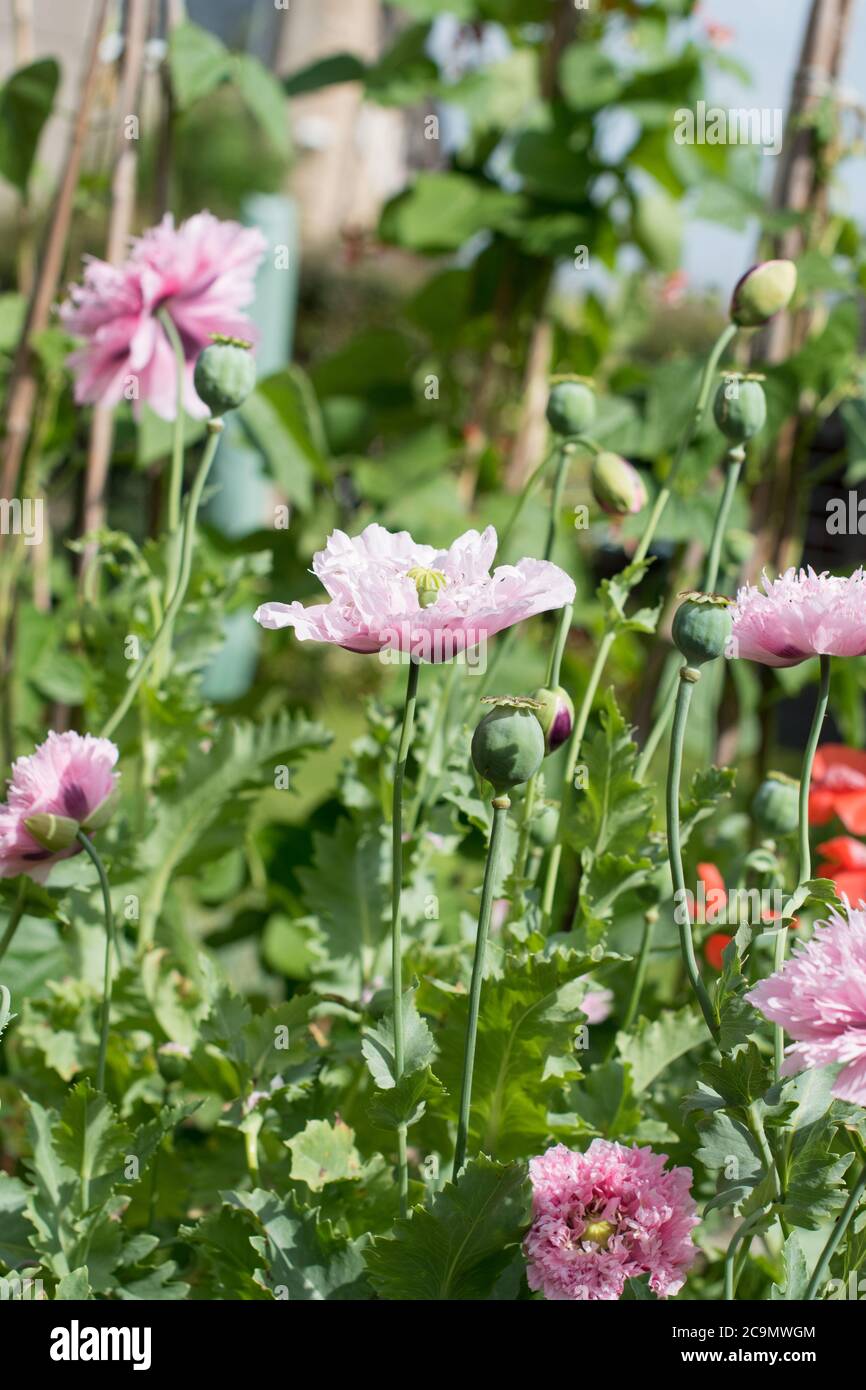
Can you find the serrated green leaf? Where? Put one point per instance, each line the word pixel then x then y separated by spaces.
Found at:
pixel 378 1045
pixel 796 1276
pixel 304 1259
pixel 654 1044
pixel 346 890
pixel 612 810
pixel 324 1153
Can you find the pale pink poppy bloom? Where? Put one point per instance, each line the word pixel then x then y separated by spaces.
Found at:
pixel 388 592
pixel 201 273
pixel 800 615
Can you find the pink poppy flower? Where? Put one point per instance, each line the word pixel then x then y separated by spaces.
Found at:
pixel 202 273
pixel 389 592
pixel 819 998
pixel 70 776
pixel 800 615
pixel 605 1216
pixel 597 1004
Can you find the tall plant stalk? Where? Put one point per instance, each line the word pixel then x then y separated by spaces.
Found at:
pixel 90 850
pixel 406 732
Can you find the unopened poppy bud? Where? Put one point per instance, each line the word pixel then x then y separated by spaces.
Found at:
pixel 776 805
pixel 617 486
pixel 740 408
pixel 701 628
pixel 570 407
pixel 544 823
pixel 225 374
pixel 428 583
pixel 508 745
pixel 101 814
pixel 763 292
pixel 52 832
pixel 556 715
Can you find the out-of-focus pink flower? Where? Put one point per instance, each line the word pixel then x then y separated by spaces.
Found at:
pixel 719 34
pixel 69 775
pixel 819 998
pixel 605 1216
pixel 674 288
pixel 800 615
pixel 201 273
pixel 389 592
pixel 597 1005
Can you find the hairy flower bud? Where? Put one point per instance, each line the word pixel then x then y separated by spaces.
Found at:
pixel 763 292
pixel 225 374
pixel 570 407
pixel 701 627
pixel 617 486
pixel 556 715
pixel 508 745
pixel 776 805
pixel 740 407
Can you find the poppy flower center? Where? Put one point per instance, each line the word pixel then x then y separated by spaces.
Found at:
pixel 598 1233
pixel 428 584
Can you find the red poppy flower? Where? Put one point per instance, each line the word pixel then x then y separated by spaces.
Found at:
pixel 845 864
pixel 714 947
pixel 839 787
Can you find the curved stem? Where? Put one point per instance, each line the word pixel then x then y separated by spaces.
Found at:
pixel 15 916
pixel 688 677
pixel 738 1237
pixel 89 848
pixel 166 627
pixel 557 651
pixel 805 850
pixel 396 925
pixel 839 1229
pixel 501 805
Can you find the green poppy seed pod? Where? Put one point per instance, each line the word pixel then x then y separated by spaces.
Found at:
pixel 508 745
pixel 740 408
pixel 702 627
pixel 556 715
pixel 225 374
pixel 52 832
pixel 428 583
pixel 617 486
pixel 763 292
pixel 776 805
pixel 570 407
pixel 543 826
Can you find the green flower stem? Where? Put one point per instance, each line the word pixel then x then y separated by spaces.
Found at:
pixel 840 1227
pixel 89 849
pixel 688 676
pixel 742 1233
pixel 166 627
pixel 805 850
pixel 396 926
pixel 559 478
pixel 554 667
pixel 694 424
pixel 437 751
pixel 734 466
pixel 646 943
pixel 15 916
pixel 175 480
pixel 501 805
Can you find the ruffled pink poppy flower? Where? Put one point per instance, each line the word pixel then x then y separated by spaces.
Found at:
pixel 819 998
pixel 800 615
pixel 69 776
pixel 389 592
pixel 605 1216
pixel 202 273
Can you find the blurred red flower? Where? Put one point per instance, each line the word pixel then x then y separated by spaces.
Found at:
pixel 839 787
pixel 845 864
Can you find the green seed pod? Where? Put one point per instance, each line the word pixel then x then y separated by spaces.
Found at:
pixel 740 408
pixel 570 407
pixel 428 584
pixel 776 805
pixel 52 832
pixel 556 715
pixel 702 627
pixel 225 374
pixel 617 486
pixel 763 292
pixel 508 745
pixel 542 827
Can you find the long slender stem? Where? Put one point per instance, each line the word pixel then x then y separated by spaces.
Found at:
pixel 175 480
pixel 90 849
pixel 435 750
pixel 736 1240
pixel 556 498
pixel 188 545
pixel 805 850
pixel 15 916
pixel 646 943
pixel 688 676
pixel 396 925
pixel 839 1229
pixel 501 806
pixel 694 424
pixel 554 667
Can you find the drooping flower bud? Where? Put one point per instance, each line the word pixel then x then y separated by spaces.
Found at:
pixel 556 715
pixel 52 832
pixel 429 583
pixel 508 745
pixel 763 292
pixel 740 407
pixel 701 627
pixel 225 374
pixel 776 805
pixel 571 406
pixel 617 486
